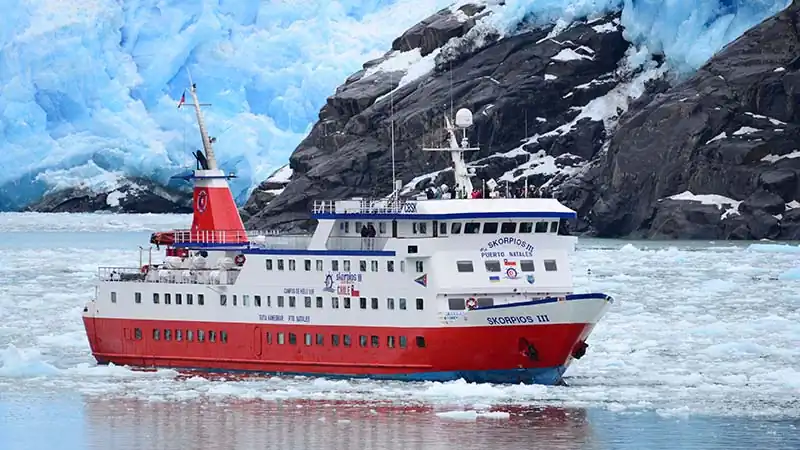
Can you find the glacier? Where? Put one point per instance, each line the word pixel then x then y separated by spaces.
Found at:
pixel 89 88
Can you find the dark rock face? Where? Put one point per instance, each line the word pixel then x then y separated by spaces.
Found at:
pixel 130 196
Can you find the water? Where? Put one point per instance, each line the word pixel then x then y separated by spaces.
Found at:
pixel 701 350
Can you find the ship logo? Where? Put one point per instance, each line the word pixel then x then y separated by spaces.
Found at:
pixel 328 283
pixel 423 280
pixel 202 201
pixel 511 273
pixel 530 279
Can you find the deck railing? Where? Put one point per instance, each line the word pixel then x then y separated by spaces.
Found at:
pixel 356 243
pixel 365 206
pixel 163 274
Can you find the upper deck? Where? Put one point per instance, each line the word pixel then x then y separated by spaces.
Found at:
pixel 441 209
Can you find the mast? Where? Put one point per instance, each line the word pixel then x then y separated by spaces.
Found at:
pixel 208 150
pixel 463 121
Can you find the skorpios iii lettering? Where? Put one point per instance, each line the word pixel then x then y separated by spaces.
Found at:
pixel 513 320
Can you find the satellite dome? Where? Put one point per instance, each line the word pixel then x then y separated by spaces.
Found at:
pixel 464 118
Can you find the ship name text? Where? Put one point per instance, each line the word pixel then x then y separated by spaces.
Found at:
pixel 492 248
pixel 284 318
pixel 515 320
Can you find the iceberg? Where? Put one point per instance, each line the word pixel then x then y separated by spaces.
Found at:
pixel 89 88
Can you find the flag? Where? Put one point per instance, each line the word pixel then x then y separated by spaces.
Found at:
pixel 509 263
pixel 183 100
pixel 494 278
pixel 355 293
pixel 423 280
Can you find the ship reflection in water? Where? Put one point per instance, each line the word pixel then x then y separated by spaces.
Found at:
pixel 309 424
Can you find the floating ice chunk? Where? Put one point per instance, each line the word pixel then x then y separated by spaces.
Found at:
pixel 773 248
pixel 790 275
pixel 24 363
pixel 473 415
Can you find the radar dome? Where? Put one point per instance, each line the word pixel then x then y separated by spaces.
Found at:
pixel 464 118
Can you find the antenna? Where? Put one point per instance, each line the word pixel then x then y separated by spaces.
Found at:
pixel 212 161
pixel 391 109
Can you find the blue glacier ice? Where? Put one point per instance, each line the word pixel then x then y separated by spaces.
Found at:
pixel 89 88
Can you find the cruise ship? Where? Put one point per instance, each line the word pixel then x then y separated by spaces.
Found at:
pixel 397 288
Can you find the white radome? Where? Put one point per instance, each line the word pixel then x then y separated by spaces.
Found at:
pixel 464 118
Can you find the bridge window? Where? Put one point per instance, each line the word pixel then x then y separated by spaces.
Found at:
pixel 390 341
pixel 201 335
pixel 346 340
pixel 156 334
pixel 421 341
pixel 508 227
pixel 167 299
pixel 389 303
pixel 335 340
pixel 308 339
pixel 137 334
pixel 292 301
pixel 455 228
pixel 484 302
pixel 269 264
pixel 318 265
pixel 307 301
pixel 456 304
pixel 320 339
pixel 335 302
pixel 335 265
pixel 292 265
pixel 346 265
pixel 292 339
pixel 526 265
pixel 280 264
pixel 412 249
pixel 155 297
pixel 419 227
pixel 363 302
pixel 541 227
pixel 178 299
pixel 201 299
pixel 189 299
pixel 281 338
pixel 376 342
pixel 234 300
pixel 554 227
pixel 113 297
pixel 347 303
pixel 319 302
pixel 402 303
pixel 374 266
pixel 464 266
pixel 374 302
pixel 492 265
pixel 362 341
pixel 550 265
pixel 403 342
pixel 490 227
pixel 443 228
pixel 362 266
pixel 257 300
pixel 358 227
pixel 390 266
pixel 307 265
pixel 223 299
pixel 280 301
pixel 137 297
pixel 420 266
pixel 420 303
pixel 525 227
pixel 472 227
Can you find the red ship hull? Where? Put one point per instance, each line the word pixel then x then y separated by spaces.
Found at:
pixel 477 354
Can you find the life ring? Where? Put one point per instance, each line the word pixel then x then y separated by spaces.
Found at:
pixel 472 303
pixel 145 268
pixel 239 260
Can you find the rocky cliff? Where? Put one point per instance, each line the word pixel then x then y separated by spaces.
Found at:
pixel 579 110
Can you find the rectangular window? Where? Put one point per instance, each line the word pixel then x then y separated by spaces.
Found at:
pixel 525 227
pixel 308 339
pixel 456 304
pixel 201 336
pixel 212 336
pixel 156 334
pixel 235 300
pixel 281 338
pixel 402 303
pixel 223 299
pixel 335 265
pixel 280 301
pixel 269 301
pixel 403 342
pixel 347 303
pixel 201 299
pixel 362 341
pixel 389 303
pixel 257 300
pixel 155 297
pixel 550 265
pixel 554 227
pixel 167 335
pixel 189 335
pixel 362 301
pixel 443 228
pixel 526 265
pixel 472 228
pixel 137 334
pixel 292 265
pixel 402 266
pixel 280 264
pixel 390 341
pixel 307 265
pixel 374 302
pixel 319 302
pixel 420 266
pixel 489 227
pixel 508 228
pixel 381 227
pixel 390 266
pixel 320 339
pixel 269 337
pixel 167 299
pixel 189 299
pixel 113 297
pixel 292 339
pixel 455 228
pixel 307 301
pixel 223 337
pixel 269 264
pixel 484 302
pixel 318 265
pixel 492 266
pixel 420 303
pixel 335 302
pixel 541 227
pixel 178 335
pixel 137 297
pixel 346 340
pixel 178 299
pixel 245 300
pixel 375 341
pixel 362 266
pixel 346 265
pixel 374 266
pixel 464 266
pixel 421 341
pixel 292 301
pixel 335 340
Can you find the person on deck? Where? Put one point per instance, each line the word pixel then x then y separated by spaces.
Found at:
pixel 371 233
pixel 364 235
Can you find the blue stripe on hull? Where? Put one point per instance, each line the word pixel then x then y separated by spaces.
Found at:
pixel 542 375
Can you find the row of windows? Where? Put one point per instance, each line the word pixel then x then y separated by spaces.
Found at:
pixel 468 227
pixel 344 340
pixel 280 301
pixel 525 265
pixel 181 335
pixel 363 265
pixel 460 304
pixel 168 298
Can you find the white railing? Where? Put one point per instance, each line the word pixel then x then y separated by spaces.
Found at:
pixel 211 236
pixel 282 241
pixel 365 206
pixel 356 243
pixel 156 274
